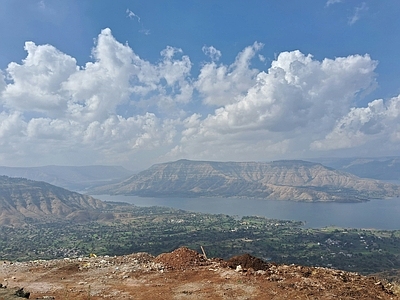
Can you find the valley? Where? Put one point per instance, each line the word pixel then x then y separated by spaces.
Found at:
pixel 40 221
pixel 156 230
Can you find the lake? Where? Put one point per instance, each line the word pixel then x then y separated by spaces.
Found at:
pixel 378 214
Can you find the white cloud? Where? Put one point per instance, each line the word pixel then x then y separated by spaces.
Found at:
pixel 119 108
pixel 2 82
pixel 145 31
pixel 358 11
pixel 131 15
pixel 118 75
pixel 378 123
pixel 212 52
pixel 330 2
pixel 36 83
pixel 95 91
pixel 11 126
pixel 297 100
pixel 41 4
pixel 221 84
pixel 78 106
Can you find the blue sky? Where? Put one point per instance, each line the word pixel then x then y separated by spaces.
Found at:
pixel 139 82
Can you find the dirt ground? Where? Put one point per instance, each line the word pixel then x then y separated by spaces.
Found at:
pixel 183 274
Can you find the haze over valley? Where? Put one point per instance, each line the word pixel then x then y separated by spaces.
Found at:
pixel 23 200
pixel 279 180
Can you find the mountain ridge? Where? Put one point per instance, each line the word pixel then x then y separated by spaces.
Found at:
pixel 381 168
pixel 279 180
pixel 24 200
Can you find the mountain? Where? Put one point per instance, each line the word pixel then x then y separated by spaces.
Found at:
pixel 23 200
pixel 381 168
pixel 279 180
pixel 76 178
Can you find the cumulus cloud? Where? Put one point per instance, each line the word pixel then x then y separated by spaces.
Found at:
pixel 2 82
pixel 48 98
pixel 120 108
pixel 36 83
pixel 51 83
pixel 95 90
pixel 221 84
pixel 297 99
pixel 11 126
pixel 212 52
pixel 378 124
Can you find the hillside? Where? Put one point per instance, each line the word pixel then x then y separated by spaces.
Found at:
pixel 279 180
pixel 23 200
pixel 381 168
pixel 75 178
pixel 184 274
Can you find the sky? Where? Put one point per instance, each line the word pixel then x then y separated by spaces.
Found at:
pixel 134 83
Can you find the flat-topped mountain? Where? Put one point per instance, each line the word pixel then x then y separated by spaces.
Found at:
pixel 22 200
pixel 278 180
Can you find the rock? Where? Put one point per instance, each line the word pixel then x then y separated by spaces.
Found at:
pixel 247 261
pixel 13 293
pixel 20 293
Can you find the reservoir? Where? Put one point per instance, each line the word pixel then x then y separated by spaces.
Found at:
pixel 377 214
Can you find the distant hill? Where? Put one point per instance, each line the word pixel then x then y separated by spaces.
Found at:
pixel 23 201
pixel 381 168
pixel 279 180
pixel 70 177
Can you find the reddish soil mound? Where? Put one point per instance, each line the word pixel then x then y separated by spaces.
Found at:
pixel 182 258
pixel 246 261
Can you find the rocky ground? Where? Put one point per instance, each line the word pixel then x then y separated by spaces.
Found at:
pixel 182 274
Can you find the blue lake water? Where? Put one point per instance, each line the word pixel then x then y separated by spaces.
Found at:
pixel 378 214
